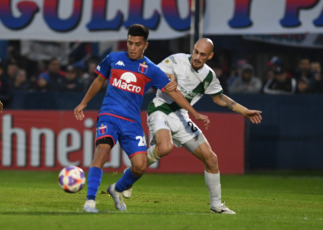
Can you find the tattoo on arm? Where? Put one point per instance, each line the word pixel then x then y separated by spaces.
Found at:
pixel 229 103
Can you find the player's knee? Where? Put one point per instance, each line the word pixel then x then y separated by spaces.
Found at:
pixel 164 149
pixel 139 168
pixel 211 160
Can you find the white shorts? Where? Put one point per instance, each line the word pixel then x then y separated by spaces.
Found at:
pixel 182 129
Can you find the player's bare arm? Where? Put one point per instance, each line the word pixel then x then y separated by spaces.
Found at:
pixel 225 101
pixel 171 86
pixel 173 83
pixel 181 101
pixel 1 107
pixel 95 87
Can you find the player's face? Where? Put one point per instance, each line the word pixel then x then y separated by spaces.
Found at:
pixel 201 54
pixel 136 47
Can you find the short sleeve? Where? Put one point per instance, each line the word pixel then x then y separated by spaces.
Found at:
pixel 215 87
pixel 160 79
pixel 103 69
pixel 167 65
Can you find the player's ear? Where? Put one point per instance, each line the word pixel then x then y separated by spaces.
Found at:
pixel 210 56
pixel 146 45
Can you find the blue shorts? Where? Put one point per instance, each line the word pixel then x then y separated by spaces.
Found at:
pixel 129 133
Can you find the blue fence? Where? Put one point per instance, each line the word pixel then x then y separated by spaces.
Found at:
pixel 290 136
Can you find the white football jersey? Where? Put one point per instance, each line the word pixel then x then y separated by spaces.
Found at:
pixel 191 83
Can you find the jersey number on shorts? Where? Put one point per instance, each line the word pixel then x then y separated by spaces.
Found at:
pixel 193 128
pixel 142 141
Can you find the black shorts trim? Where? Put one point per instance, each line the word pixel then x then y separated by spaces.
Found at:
pixel 105 140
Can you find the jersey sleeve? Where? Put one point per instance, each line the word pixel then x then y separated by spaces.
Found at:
pixel 167 65
pixel 103 69
pixel 215 87
pixel 160 79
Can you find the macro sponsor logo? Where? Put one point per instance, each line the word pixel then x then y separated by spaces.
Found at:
pixel 125 83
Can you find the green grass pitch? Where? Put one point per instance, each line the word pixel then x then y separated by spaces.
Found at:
pixel 33 200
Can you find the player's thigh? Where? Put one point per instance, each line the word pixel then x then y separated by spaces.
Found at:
pixel 197 145
pixel 184 130
pixel 204 152
pixel 132 139
pixel 158 127
pixel 163 136
pixel 107 131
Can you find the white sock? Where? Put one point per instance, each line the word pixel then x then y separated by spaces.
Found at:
pixel 213 183
pixel 151 154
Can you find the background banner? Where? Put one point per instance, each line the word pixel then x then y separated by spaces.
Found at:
pixel 51 140
pixel 108 20
pixel 298 40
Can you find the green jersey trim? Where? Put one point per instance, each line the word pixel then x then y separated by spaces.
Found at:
pixel 200 89
pixel 165 108
pixel 216 94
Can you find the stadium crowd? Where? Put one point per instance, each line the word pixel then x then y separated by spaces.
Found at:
pixel 277 79
pixel 20 73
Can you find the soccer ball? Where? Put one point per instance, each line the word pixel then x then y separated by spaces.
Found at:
pixel 71 179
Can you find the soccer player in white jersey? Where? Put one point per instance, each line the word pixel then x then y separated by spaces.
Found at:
pixel 169 124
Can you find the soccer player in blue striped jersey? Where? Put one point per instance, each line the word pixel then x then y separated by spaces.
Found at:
pixel 129 74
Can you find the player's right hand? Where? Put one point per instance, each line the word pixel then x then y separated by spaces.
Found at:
pixel 78 112
pixel 205 119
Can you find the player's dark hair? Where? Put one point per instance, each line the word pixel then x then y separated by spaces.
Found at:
pixel 138 30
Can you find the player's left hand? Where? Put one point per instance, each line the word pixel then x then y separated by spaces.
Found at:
pixel 254 116
pixel 203 118
pixel 78 112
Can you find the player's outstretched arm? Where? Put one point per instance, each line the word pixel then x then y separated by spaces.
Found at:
pixel 225 101
pixel 178 97
pixel 95 87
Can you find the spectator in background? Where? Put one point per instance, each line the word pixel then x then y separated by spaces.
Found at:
pixel 89 76
pixel 12 56
pixel 21 81
pixel 6 88
pixel 271 66
pixel 275 62
pixel 268 75
pixel 247 83
pixel 38 69
pixel 55 77
pixel 73 80
pixel 42 83
pixel 12 70
pixel 304 69
pixel 236 72
pixel 221 76
pixel 316 67
pixel 303 86
pixel 280 84
pixel 316 82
